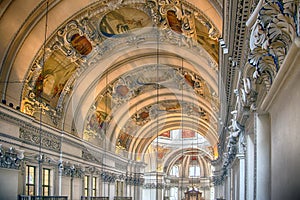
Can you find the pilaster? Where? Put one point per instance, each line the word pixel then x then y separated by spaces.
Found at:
pixel 263 133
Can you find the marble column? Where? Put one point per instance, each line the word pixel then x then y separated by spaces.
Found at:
pixel 242 187
pixel 250 163
pixel 263 154
pixel 105 189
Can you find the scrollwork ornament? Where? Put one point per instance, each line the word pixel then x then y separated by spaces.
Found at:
pixel 247 95
pixel 271 37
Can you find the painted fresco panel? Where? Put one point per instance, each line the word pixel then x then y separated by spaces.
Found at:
pixel 123 21
pixel 51 81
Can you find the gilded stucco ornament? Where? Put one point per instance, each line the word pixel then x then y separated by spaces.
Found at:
pixel 271 36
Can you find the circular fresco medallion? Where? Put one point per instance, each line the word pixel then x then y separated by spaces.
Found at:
pixel 122 90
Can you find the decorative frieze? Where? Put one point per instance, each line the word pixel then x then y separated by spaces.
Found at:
pixel 40 138
pixel 10 157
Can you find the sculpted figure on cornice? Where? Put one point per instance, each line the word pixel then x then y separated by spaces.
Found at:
pixel 234 130
pixel 271 36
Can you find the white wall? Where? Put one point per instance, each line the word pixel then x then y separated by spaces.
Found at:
pixel 285 133
pixel 9 186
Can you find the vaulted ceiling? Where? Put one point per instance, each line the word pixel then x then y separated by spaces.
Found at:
pixel 119 72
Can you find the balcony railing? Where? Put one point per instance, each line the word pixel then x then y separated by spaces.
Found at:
pixel 94 198
pixel 25 197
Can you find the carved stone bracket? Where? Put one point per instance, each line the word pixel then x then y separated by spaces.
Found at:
pixel 10 157
pixel 71 170
pixel 134 180
pixel 108 177
pixel 154 186
pixel 271 36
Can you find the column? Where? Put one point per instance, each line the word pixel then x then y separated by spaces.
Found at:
pixel 105 190
pixel 250 166
pixel 138 192
pixel 263 154
pixel 242 188
pixel 242 167
pixel 229 184
pixel 167 188
pixel 111 190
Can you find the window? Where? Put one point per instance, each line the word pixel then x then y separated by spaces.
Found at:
pixel 94 191
pixel 46 182
pixel 174 193
pixel 174 171
pixel 86 185
pixel 30 180
pixel 119 188
pixel 194 171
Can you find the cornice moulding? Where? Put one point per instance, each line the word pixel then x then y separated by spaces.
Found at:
pixel 289 66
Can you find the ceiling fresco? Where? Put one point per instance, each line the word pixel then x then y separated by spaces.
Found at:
pixel 97 32
pixel 134 83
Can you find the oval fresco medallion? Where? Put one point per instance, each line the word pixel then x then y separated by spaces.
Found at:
pixel 123 21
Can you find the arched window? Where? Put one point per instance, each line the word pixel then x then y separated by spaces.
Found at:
pixel 174 171
pixel 194 171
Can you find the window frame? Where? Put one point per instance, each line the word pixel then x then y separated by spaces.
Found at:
pixel 47 185
pixel 94 186
pixel 27 181
pixel 86 185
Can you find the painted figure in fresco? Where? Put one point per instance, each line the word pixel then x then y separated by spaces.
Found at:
pixel 44 85
pixel 97 123
pixel 54 75
pixel 48 84
pixel 174 22
pixel 81 44
pixel 57 90
pixel 124 141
